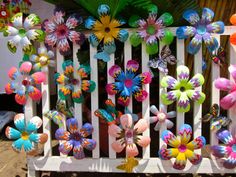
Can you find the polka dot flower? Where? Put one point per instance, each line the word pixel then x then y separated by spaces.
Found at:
pixel 182 89
pixel 23 84
pixel 74 86
pixel 181 149
pixel 127 84
pixel 25 135
pixel 201 30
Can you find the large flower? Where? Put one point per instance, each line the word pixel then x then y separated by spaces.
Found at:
pixel 105 29
pixel 22 32
pixel 26 135
pixel 129 135
pixel 201 29
pixel 181 149
pixel 42 59
pixel 69 82
pixel 59 32
pixel 128 83
pixel 152 30
pixel 161 117
pixel 23 84
pixel 75 138
pixel 226 85
pixel 226 151
pixel 183 89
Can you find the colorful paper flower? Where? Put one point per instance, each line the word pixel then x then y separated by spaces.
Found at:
pixel 181 149
pixel 24 84
pixel 44 58
pixel 75 138
pixel 68 82
pixel 233 36
pixel 182 89
pixel 59 32
pixel 129 135
pixel 229 86
pixel 23 32
pixel 201 30
pixel 161 117
pixel 105 29
pixel 26 136
pixel 153 30
pixel 226 151
pixel 4 13
pixel 128 83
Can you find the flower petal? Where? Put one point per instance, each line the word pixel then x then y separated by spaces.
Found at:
pixel 191 16
pixel 196 95
pixel 131 150
pixel 86 130
pixel 185 133
pixel 20 98
pixel 210 41
pixel 77 96
pixel 169 138
pixel 169 124
pixel 11 31
pixel 19 121
pixel 118 146
pixel 72 125
pixel 169 82
pixel 114 130
pixel 144 78
pixel 89 144
pixel 84 71
pixel 34 124
pixel 13 43
pixel 232 70
pixel 166 18
pixel 38 138
pixel 195 44
pixel 182 73
pixel 131 67
pixel 225 136
pixel 224 84
pixel 51 39
pixel 171 96
pixel 58 17
pixel 167 154
pixel 17 20
pixel 126 121
pixel 31 21
pixel 35 35
pixel 228 101
pixel 158 126
pixel 95 39
pixel 180 161
pixel 183 103
pixel 139 94
pixel 197 143
pixel 27 46
pixel 28 146
pixel 49 26
pixel 143 141
pixel 73 21
pixel 216 27
pixel 218 151
pixel 230 162
pixel 65 92
pixel 62 134
pixel 34 93
pixel 103 10
pixel 171 114
pixel 65 147
pixel 88 85
pixel 17 145
pixel 197 80
pixel 117 73
pixel 154 110
pixel 207 15
pixel 12 133
pixel 76 37
pixel 123 35
pixel 112 88
pixel 141 126
pixel 185 32
pixel 63 46
pixel 193 157
pixel 78 150
pixel 38 77
pixel 13 73
pixel 25 68
pixel 124 98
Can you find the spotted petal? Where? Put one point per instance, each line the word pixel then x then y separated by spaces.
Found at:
pixel 167 154
pixel 191 16
pixel 169 82
pixel 19 121
pixel 196 95
pixel 185 133
pixel 210 41
pixel 185 32
pixel 193 157
pixel 65 147
pixel 62 134
pixel 197 143
pixel 183 103
pixel 180 161
pixel 169 138
pixel 207 15
pixel 216 27
pixel 34 124
pixel 218 151
pixel 228 101
pixel 12 133
pixel 225 136
pixel 195 44
pixel 38 137
pixel 72 125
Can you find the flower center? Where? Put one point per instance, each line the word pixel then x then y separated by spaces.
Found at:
pixel 74 81
pixel 182 89
pixel 201 29
pixel 24 135
pixel 25 82
pixel 151 30
pixel 162 117
pixel 43 60
pixel 107 29
pixel 234 148
pixel 76 136
pixel 129 134
pixel 182 148
pixel 22 32
pixel 61 30
pixel 128 83
pixel 3 13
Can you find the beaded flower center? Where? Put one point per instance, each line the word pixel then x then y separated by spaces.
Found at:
pixel 129 134
pixel 25 136
pixel 25 82
pixel 234 148
pixel 43 60
pixel 182 148
pixel 62 30
pixel 151 30
pixel 201 29
pixel 162 117
pixel 22 32
pixel 128 83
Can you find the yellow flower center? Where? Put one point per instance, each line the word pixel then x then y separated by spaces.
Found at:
pixel 25 136
pixel 43 60
pixel 162 117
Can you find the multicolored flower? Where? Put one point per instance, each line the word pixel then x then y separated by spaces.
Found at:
pixel 183 89
pixel 26 136
pixel 43 59
pixel 24 84
pixel 75 138
pixel 229 86
pixel 105 29
pixel 74 86
pixel 153 30
pixel 128 83
pixel 181 149
pixel 226 151
pixel 59 32
pixel 161 117
pixel 129 135
pixel 23 32
pixel 201 30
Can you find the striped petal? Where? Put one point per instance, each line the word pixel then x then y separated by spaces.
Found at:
pixel 228 101
pixel 60 78
pixel 13 73
pixel 11 31
pixel 89 144
pixel 34 93
pixel 49 26
pixel 63 46
pixel 38 77
pixel 183 103
pixel 17 20
pixel 124 98
pixel 167 154
pixel 197 143
pixel 19 121
pixel 169 82
pixel 12 133
pixel 27 46
pixel 197 80
pixel 197 96
pixel 20 98
pixel 13 43
pixel 216 27
pixel 94 39
pixel 182 73
pixel 62 134
pixel 195 44
pixel 132 66
pixel 223 84
pixel 9 89
pixel 112 88
pixel 88 85
pixel 65 147
pixel 31 20
pixel 185 32
pixel 171 96
pixel 34 124
pixel 139 95
pixel 210 42
pixel 86 130
pixel 123 35
pixel 141 126
pixel 118 146
pixel 218 151
pixel 78 150
pixel 28 146
pixel 51 39
pixel 117 73
pixel 193 157
pixel 225 136
pixel 76 37
pixel 25 68
pixel 191 16
pixel 38 138
pixel 73 21
pixel 131 150
pixel 230 162
pixel 77 96
pixel 169 138
pixel 114 130
pixel 143 141
pixel 144 78
pixel 207 15
pixel 180 161
pixel 72 125
pixel 185 133
pixel 65 92
pixel 17 145
pixel 35 35
pixel 84 71
pixel 58 17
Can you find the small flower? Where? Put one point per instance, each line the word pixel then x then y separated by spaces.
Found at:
pixel 105 29
pixel 227 151
pixel 229 86
pixel 26 136
pixel 4 13
pixel 42 59
pixel 59 33
pixel 181 149
pixel 201 29
pixel 22 32
pixel 153 30
pixel 129 135
pixel 75 138
pixel 69 82
pixel 161 117
pixel 182 89
pixel 24 84
pixel 128 83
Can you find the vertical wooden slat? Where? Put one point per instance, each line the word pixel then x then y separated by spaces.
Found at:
pixel 78 114
pixel 94 101
pixel 112 153
pixel 181 61
pixel 146 102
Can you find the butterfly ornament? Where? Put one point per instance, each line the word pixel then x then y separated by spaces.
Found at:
pixel 128 164
pixel 164 58
pixel 219 56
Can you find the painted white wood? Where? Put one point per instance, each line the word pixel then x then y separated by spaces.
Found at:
pixel 180 61
pixel 94 101
pixel 146 102
pixel 112 153
pixel 78 114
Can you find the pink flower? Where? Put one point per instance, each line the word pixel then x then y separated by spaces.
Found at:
pixel 129 136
